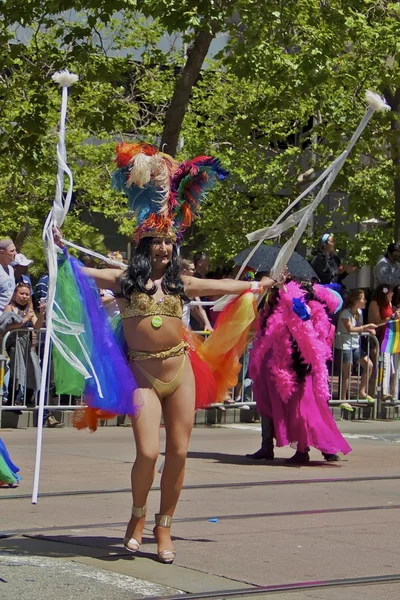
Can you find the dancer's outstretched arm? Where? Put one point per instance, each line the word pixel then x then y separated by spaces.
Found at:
pixel 214 287
pixel 109 279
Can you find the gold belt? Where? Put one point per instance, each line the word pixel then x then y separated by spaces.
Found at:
pixel 175 351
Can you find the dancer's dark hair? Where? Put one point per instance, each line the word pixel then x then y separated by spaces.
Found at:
pixel 138 272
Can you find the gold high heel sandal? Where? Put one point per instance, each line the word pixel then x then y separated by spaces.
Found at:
pixel 168 555
pixel 132 544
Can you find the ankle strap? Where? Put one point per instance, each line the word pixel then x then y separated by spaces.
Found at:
pixel 139 511
pixel 163 520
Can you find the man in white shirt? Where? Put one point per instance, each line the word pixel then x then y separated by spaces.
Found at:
pixel 7 287
pixel 387 269
pixel 7 279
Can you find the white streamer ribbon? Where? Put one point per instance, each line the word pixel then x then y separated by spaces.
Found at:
pixel 55 218
pixel 302 217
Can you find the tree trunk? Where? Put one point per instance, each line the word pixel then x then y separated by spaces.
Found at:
pixel 393 100
pixel 180 99
pixel 22 235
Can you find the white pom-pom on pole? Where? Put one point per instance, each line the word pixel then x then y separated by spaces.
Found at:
pixel 376 102
pixel 65 78
pixel 55 218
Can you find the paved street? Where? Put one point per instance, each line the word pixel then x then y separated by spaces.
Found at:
pixel 239 523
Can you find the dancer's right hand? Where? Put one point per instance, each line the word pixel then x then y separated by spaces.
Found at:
pixel 57 236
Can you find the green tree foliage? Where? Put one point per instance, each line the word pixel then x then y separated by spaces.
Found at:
pixel 326 55
pixel 112 100
pixel 283 95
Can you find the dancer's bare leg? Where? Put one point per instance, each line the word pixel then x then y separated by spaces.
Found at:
pixel 178 412
pixel 146 429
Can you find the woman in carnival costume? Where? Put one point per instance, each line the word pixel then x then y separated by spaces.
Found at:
pixel 288 365
pixel 171 373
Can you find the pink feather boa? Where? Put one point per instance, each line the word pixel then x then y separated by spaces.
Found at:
pixel 272 350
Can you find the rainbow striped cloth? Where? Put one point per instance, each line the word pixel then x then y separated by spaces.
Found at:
pixel 391 337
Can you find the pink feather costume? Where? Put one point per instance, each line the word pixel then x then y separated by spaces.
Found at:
pixel 297 406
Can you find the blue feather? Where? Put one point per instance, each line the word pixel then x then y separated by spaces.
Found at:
pixel 141 201
pixel 301 309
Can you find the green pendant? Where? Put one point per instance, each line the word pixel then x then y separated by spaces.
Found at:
pixel 156 322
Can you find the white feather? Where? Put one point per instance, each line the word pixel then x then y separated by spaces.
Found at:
pixel 141 170
pixel 376 101
pixel 151 168
pixel 65 78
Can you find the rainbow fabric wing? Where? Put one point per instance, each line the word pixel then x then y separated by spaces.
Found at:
pixel 85 334
pixel 8 470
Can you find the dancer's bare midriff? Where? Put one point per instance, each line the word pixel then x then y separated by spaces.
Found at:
pixel 141 335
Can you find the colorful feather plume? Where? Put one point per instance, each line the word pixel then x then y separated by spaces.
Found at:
pixel 156 225
pixel 190 183
pixel 164 195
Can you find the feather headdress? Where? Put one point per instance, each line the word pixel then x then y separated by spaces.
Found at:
pixel 164 195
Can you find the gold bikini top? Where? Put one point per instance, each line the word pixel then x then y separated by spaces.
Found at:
pixel 143 305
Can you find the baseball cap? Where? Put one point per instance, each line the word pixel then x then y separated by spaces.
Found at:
pixel 21 261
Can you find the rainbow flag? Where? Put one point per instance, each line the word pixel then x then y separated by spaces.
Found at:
pixel 391 337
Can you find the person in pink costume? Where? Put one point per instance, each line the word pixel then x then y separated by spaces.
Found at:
pixel 288 366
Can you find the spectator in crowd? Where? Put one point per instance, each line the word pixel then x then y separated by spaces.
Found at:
pixel 7 286
pixel 41 290
pixel 201 263
pixel 387 269
pixel 327 264
pixel 348 343
pixel 7 278
pixel 24 362
pixel 221 272
pixel 381 311
pixel 187 268
pixel 396 298
pixel 21 265
pixel 107 296
pixel 40 299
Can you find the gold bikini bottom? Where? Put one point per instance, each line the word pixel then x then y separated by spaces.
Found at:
pixel 162 388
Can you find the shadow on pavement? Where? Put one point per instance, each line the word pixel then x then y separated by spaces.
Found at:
pixel 236 459
pixel 106 548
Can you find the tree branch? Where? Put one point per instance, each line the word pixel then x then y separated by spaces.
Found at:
pixel 180 99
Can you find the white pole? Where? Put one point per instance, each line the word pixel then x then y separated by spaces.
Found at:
pixel 376 103
pixel 55 218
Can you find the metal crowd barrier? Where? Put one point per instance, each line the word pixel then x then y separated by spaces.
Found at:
pixel 22 397
pixel 376 373
pixel 354 373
